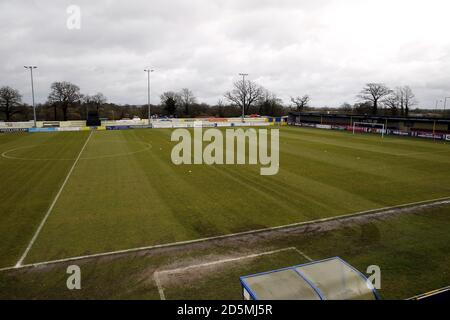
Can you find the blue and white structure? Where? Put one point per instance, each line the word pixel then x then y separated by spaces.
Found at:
pixel 329 279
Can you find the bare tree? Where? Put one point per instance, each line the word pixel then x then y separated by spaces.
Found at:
pixel 301 102
pixel 374 93
pixel 187 99
pixel 393 102
pixel 97 100
pixel 171 101
pixel 346 108
pixel 245 94
pixel 401 99
pixel 220 108
pixel 64 94
pixel 10 100
pixel 362 108
pixel 409 98
pixel 270 104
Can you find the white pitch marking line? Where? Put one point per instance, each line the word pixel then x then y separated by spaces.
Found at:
pixel 419 153
pixel 304 255
pixel 207 264
pixel 158 284
pixel 41 225
pixel 379 211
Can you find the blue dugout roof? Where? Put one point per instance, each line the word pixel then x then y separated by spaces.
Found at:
pixel 328 279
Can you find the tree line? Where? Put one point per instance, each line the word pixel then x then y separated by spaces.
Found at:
pixel 66 102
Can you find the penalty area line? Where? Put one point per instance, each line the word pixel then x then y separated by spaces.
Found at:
pixel 207 264
pixel 41 225
pixel 303 255
pixel 159 286
pixel 157 279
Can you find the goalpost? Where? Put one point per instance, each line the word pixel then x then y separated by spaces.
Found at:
pixel 369 125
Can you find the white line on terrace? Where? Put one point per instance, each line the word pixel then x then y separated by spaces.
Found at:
pixel 207 264
pixel 41 225
pixel 381 211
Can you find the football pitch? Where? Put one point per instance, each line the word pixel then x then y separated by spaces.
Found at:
pixel 72 194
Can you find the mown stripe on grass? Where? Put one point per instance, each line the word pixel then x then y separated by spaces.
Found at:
pixel 41 225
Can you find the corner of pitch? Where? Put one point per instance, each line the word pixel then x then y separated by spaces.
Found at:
pixel 227 147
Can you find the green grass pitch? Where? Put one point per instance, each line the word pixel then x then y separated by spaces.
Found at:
pixel 124 192
pixel 411 250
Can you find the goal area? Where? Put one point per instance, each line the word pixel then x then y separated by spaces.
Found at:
pixel 369 127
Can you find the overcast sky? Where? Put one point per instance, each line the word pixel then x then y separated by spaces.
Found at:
pixel 325 48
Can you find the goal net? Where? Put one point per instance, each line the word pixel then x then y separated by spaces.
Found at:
pixel 369 127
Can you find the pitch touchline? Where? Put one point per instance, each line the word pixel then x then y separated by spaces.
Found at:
pixel 41 225
pixel 439 201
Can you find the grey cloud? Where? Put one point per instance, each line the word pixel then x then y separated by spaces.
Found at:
pixel 325 48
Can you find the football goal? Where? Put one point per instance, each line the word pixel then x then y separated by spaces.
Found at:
pixel 369 127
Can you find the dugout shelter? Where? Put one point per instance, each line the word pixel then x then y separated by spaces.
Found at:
pixel 329 279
